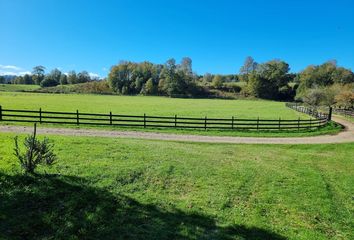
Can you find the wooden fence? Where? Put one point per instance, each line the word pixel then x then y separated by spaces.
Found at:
pixel 348 112
pixel 310 111
pixel 145 121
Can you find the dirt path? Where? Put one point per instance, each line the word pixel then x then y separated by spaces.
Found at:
pixel 347 135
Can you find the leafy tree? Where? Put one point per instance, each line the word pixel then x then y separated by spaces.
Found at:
pixel 248 67
pixel 169 74
pixel 2 79
pixel 161 86
pixel 55 75
pixel 38 74
pixel 322 96
pixel 323 75
pixel 176 81
pixel 120 76
pixel 329 95
pixel 261 87
pixel 149 88
pixel 313 97
pixel 269 80
pixel 208 78
pixel 49 81
pixel 18 80
pixel 217 81
pixel 72 78
pixel 63 79
pixel 345 98
pixel 27 79
pixel 83 77
pixel 125 90
pixel 342 76
pixel 186 66
pixel 166 79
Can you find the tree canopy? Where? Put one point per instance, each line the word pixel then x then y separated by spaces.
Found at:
pixel 268 80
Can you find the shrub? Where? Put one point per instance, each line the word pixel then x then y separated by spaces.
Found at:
pixel 233 87
pixel 49 82
pixel 36 152
pixel 346 96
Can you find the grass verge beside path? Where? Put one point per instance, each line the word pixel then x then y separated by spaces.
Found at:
pixel 331 128
pixel 134 189
pixel 348 118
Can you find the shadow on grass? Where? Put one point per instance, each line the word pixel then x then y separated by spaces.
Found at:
pixel 62 207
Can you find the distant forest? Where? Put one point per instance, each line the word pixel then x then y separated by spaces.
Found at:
pixel 268 80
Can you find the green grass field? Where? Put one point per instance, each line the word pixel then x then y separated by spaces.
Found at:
pixel 17 87
pixel 161 106
pixel 104 188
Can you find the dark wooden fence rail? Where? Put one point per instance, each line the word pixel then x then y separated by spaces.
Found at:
pixel 310 111
pixel 348 112
pixel 145 121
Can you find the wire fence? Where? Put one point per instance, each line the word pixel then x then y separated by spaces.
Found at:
pixel 147 121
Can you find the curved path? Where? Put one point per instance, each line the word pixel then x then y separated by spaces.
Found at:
pixel 347 135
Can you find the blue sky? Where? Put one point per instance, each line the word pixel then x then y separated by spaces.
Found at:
pixel 218 35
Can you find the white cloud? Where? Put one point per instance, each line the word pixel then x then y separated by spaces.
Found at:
pixel 13 73
pixel 7 73
pixel 10 67
pixel 12 70
pixel 94 75
pixel 25 72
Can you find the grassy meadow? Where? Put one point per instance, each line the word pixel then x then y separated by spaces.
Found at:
pixel 160 106
pixel 17 87
pixel 138 189
pixel 164 106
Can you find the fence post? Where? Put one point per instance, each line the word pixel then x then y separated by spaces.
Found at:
pixel 77 117
pixel 205 123
pixel 257 123
pixel 279 123
pixel 232 122
pixel 329 114
pixel 0 113
pixel 298 124
pixel 144 120
pixel 110 118
pixel 310 123
pixel 40 115
pixel 176 121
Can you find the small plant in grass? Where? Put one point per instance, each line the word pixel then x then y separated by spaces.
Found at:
pixel 36 152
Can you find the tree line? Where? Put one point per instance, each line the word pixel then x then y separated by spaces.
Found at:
pixel 268 80
pixel 53 78
pixel 155 79
pixel 317 85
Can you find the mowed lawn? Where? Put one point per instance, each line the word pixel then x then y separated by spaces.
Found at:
pixel 104 188
pixel 160 106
